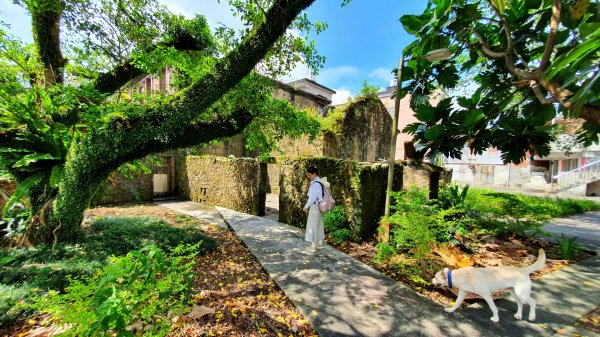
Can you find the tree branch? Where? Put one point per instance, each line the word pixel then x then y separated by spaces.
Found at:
pixel 508 55
pixel 538 93
pixel 556 10
pixel 587 112
pixel 110 82
pixel 45 20
pixel 486 50
pixel 199 133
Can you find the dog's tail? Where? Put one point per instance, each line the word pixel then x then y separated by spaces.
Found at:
pixel 537 265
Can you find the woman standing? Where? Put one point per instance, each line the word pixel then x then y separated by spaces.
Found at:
pixel 315 232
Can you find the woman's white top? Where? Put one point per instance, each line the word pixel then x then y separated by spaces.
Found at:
pixel 315 193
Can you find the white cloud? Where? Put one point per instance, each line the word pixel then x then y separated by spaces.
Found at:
pixel 382 74
pixel 332 76
pixel 341 96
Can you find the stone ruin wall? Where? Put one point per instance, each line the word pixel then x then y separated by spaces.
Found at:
pixel 234 183
pixel 359 187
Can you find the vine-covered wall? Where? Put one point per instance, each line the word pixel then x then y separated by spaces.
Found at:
pixel 359 187
pixel 234 183
pixel 120 190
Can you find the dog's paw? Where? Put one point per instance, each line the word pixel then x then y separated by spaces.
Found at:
pixel 495 319
pixel 518 316
pixel 449 309
pixel 532 317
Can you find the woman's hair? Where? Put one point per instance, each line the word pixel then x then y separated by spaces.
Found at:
pixel 312 169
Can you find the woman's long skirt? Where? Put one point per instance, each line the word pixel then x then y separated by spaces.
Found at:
pixel 315 232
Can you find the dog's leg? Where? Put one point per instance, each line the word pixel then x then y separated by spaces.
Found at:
pixel 519 313
pixel 523 291
pixel 459 299
pixel 490 301
pixel 532 305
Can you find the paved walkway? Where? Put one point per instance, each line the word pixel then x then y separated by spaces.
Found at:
pixel 341 296
pixel 586 227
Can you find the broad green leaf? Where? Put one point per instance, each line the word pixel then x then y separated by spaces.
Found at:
pixel 434 132
pixel 500 5
pixel 414 23
pixel 474 117
pixel 22 190
pixel 425 113
pixel 32 158
pixel 55 175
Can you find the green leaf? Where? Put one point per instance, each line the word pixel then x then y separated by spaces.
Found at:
pixel 425 113
pixel 434 132
pixel 500 5
pixel 55 175
pixel 587 29
pixel 22 190
pixel 576 55
pixel 474 117
pixel 32 158
pixel 414 23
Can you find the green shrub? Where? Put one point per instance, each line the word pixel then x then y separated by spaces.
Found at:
pixel 10 298
pixel 452 196
pixel 14 220
pixel 384 252
pixel 336 224
pixel 119 235
pixel 45 268
pixel 568 247
pixel 144 287
pixel 417 222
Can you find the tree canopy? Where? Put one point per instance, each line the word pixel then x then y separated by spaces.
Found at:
pixel 66 121
pixel 532 60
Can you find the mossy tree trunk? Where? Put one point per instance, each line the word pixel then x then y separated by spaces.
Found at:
pixel 152 128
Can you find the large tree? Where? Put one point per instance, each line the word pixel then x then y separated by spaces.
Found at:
pixel 66 123
pixel 531 59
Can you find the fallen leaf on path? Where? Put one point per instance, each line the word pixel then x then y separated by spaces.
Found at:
pixel 200 311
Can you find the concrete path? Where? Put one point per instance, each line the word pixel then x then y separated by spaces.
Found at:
pixel 341 296
pixel 586 227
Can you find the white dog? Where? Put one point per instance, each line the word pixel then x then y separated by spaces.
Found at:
pixel 483 281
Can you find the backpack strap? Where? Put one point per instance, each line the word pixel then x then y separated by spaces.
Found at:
pixel 322 188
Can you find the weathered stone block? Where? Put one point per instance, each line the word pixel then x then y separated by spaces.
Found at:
pixel 232 183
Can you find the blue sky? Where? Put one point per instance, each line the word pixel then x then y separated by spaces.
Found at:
pixel 363 41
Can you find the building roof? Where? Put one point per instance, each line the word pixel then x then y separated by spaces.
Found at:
pixel 306 80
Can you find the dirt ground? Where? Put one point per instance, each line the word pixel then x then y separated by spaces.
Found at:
pixel 246 302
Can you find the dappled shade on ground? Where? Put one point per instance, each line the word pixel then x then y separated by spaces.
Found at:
pixel 245 300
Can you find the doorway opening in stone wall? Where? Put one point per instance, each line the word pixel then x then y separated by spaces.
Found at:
pixel 272 192
pixel 163 179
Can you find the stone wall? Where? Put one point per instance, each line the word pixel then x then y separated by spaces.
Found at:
pixel 234 183
pixel 593 189
pixel 365 132
pixel 357 186
pixel 365 135
pixel 120 190
pixel 273 173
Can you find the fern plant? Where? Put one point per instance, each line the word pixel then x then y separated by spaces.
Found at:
pixel 569 247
